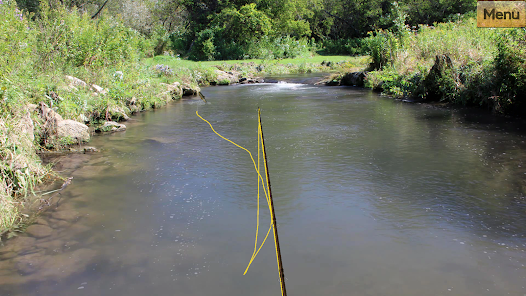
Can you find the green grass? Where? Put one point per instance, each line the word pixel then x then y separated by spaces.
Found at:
pixel 205 72
pixel 318 59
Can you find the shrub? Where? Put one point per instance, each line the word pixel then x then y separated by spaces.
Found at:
pixel 510 67
pixel 382 46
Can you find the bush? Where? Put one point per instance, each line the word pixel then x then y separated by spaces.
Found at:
pixel 69 38
pixel 352 47
pixel 383 47
pixel 510 67
pixel 204 48
pixel 16 42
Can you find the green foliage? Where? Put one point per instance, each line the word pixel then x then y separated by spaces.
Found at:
pixel 453 62
pixel 352 47
pixel 383 47
pixel 16 40
pixel 204 48
pixel 69 38
pixel 29 6
pixel 510 67
pixel 432 11
pixel 243 34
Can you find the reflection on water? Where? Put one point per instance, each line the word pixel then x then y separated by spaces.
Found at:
pixel 373 197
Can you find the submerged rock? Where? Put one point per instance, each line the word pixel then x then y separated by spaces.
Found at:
pixel 28 264
pixel 66 215
pixel 90 149
pixel 17 244
pixel 39 230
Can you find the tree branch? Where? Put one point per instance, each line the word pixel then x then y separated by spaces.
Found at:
pixel 100 9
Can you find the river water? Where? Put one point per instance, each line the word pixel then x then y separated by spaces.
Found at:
pixel 372 197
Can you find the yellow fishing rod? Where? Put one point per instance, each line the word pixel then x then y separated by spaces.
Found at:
pixel 268 195
pixel 272 213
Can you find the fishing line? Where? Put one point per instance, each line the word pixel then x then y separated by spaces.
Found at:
pixel 268 195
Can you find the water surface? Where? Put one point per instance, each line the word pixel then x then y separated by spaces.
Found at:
pixel 373 197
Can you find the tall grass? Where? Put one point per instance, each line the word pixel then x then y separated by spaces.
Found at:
pixel 486 64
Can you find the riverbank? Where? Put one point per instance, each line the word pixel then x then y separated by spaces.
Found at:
pixel 454 63
pixel 60 112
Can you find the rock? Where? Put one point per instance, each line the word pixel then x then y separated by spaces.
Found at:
pixel 118 74
pixel 90 149
pixel 76 229
pixel 32 107
pixel 83 118
pixel 118 113
pixel 7 255
pixel 97 89
pixel 28 264
pixel 74 81
pixel 111 126
pixel 48 113
pixel 59 224
pixel 68 263
pixel 50 120
pixel 190 91
pixel 18 244
pixel 66 215
pixel 332 82
pixel 39 231
pixel 73 129
pixel 173 91
pixel 354 79
pixel 133 106
pixel 225 78
pixel 55 246
pixel 70 88
pixel 41 221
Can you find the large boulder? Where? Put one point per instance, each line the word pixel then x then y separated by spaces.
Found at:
pixel 189 90
pixel 72 129
pixel 354 79
pixel 173 91
pixel 225 78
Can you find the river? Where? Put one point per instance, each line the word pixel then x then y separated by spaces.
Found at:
pixel 372 197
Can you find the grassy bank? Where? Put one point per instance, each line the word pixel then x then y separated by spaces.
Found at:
pixel 205 72
pixel 63 66
pixel 453 62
